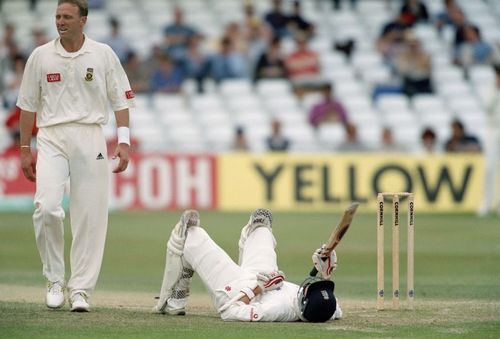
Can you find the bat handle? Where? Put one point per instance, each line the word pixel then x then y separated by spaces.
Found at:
pixel 313 272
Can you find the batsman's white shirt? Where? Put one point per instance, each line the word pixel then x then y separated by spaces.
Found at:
pixel 72 93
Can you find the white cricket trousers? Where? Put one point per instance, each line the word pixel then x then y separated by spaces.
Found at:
pixel 78 152
pixel 222 277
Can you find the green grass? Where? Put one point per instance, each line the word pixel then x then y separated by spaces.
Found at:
pixel 457 279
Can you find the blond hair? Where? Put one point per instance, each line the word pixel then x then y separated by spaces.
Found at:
pixel 82 5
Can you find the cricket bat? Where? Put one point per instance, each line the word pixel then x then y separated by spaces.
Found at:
pixel 338 232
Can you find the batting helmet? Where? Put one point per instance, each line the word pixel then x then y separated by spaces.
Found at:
pixel 317 302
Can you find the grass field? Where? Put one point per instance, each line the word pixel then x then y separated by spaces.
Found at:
pixel 457 279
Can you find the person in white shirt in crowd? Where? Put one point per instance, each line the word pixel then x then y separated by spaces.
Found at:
pixel 71 82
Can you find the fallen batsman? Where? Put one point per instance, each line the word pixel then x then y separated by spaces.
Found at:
pixel 254 289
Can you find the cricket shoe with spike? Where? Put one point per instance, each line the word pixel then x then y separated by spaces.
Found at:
pixel 261 217
pixel 55 294
pixel 79 302
pixel 189 218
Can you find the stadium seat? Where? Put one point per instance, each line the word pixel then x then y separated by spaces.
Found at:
pixel 235 87
pixel 422 103
pixel 330 135
pixel 243 103
pixel 166 102
pixel 273 87
pixel 201 103
pixel 393 102
pixel 220 137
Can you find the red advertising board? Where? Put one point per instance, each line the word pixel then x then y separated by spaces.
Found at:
pixel 159 181
pixel 152 181
pixel 12 180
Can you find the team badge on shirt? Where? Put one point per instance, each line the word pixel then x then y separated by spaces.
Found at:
pixel 90 74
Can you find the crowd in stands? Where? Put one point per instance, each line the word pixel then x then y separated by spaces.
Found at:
pixel 252 48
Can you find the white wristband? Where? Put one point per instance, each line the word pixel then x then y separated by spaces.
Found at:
pixel 248 291
pixel 123 135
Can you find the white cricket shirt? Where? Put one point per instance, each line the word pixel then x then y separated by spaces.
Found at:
pixel 76 87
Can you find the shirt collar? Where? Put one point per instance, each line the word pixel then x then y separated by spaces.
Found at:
pixel 62 52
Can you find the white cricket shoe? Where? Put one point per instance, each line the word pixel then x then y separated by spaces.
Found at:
pixel 261 217
pixel 55 294
pixel 79 303
pixel 189 218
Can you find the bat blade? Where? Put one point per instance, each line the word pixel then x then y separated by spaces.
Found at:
pixel 339 231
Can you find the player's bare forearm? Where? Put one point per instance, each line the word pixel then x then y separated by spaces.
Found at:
pixel 28 162
pixel 122 118
pixel 122 149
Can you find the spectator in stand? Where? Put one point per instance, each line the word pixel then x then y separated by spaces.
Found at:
pixel 196 63
pixel 271 64
pixel 177 36
pixel 303 64
pixel 328 110
pixel 240 140
pixel 12 125
pixel 116 41
pixel 459 22
pixel 473 50
pixel 277 142
pixel 444 18
pixel 388 143
pixel 429 140
pixel 460 141
pixel 414 66
pixel 391 40
pixel 297 24
pixel 256 33
pixel 152 62
pixel 8 49
pixel 137 74
pixel 11 81
pixel 414 11
pixel 234 33
pixel 39 38
pixel 9 35
pixel 352 142
pixel 228 63
pixel 278 20
pixel 253 23
pixel 167 78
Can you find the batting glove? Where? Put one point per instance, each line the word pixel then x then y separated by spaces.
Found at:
pixel 270 281
pixel 324 263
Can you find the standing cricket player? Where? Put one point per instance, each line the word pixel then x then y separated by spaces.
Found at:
pixel 254 289
pixel 70 82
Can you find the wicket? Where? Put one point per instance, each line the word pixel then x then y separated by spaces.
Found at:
pixel 395 248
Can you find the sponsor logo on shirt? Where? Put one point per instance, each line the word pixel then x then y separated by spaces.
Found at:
pixel 53 77
pixel 130 94
pixel 228 288
pixel 90 74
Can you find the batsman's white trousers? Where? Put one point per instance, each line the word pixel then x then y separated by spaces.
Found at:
pixel 78 152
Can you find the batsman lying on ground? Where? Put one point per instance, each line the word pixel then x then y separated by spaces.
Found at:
pixel 253 290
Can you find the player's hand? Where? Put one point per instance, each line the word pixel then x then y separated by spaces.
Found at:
pixel 324 263
pixel 121 152
pixel 268 281
pixel 28 164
